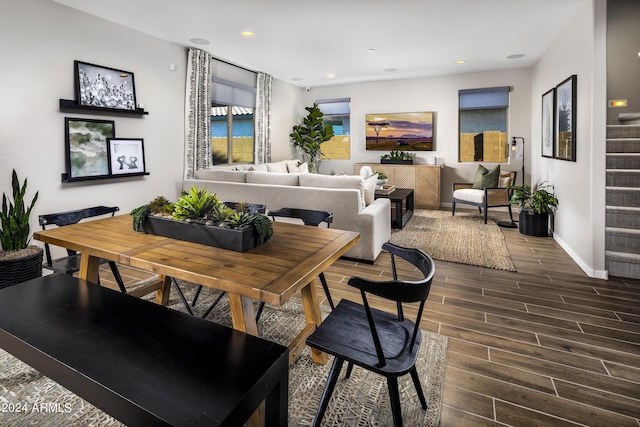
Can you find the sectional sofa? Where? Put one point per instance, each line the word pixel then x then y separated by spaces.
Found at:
pixel 286 184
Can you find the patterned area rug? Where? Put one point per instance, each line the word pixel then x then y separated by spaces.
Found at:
pixel 463 238
pixel 29 398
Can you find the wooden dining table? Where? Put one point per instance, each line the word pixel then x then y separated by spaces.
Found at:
pixel 272 272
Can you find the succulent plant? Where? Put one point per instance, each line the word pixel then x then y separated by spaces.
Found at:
pixel 14 218
pixel 195 204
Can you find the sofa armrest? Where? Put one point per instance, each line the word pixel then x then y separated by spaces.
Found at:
pixel 375 229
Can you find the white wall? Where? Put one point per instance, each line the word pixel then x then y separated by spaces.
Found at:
pixel 579 221
pixel 438 94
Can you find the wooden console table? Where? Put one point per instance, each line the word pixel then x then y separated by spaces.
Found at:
pixel 424 180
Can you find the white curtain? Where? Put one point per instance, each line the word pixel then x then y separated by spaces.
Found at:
pixel 198 153
pixel 263 118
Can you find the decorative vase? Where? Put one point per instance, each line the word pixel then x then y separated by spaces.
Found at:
pixel 534 225
pixel 16 268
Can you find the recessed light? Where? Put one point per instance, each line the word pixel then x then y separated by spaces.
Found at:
pixel 371 50
pixel 390 70
pixel 516 56
pixel 248 33
pixel 197 40
pixel 461 61
pixel 331 76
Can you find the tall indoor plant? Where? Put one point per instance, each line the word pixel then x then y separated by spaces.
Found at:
pixel 309 136
pixel 535 206
pixel 19 261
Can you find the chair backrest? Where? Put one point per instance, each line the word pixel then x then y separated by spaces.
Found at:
pixel 398 290
pixel 308 216
pixel 72 217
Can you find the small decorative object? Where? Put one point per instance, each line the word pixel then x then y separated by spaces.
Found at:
pixel 410 131
pixel 19 261
pixel 309 136
pixel 382 179
pixel 385 189
pixel 535 205
pixel 126 156
pixel 200 217
pixel 397 157
pixel 104 87
pixel 565 119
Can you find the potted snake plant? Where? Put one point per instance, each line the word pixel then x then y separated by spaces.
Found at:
pixel 19 261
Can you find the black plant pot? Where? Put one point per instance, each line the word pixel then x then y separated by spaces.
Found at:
pixel 17 270
pixel 396 162
pixel 534 225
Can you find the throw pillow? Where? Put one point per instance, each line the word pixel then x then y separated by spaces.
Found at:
pixel 486 178
pixel 295 166
pixel 370 189
pixel 279 167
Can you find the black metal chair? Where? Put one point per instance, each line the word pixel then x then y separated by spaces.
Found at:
pixel 70 264
pixel 309 217
pixel 384 343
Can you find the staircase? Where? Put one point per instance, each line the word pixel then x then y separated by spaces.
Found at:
pixel 622 233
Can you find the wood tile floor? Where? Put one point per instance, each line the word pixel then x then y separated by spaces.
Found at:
pixel 544 346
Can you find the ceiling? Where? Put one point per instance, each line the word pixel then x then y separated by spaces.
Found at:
pixel 311 43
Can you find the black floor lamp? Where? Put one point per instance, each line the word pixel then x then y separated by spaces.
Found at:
pixel 519 154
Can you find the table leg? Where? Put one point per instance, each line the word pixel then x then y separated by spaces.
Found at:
pixel 243 315
pixel 89 268
pixel 162 294
pixel 312 314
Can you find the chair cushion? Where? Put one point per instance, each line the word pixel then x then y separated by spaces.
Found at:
pixel 469 195
pixel 486 178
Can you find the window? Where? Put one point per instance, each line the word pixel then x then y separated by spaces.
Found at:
pixel 233 99
pixel 483 124
pixel 337 114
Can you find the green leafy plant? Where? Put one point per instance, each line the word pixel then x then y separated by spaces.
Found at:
pixel 309 136
pixel 139 214
pixel 534 200
pixel 397 155
pixel 260 222
pixel 14 218
pixel 195 204
pixel 381 175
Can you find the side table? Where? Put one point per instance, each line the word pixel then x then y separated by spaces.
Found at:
pixel 402 201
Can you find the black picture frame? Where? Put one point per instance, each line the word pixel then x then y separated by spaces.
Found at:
pixel 104 87
pixel 565 119
pixel 126 157
pixel 86 153
pixel 548 135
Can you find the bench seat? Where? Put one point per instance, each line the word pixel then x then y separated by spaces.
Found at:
pixel 142 363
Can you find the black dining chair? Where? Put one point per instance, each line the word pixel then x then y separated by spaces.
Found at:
pixel 384 343
pixel 70 264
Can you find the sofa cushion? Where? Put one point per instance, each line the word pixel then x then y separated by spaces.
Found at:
pixel 333 181
pixel 272 178
pixel 278 167
pixel 469 195
pixel 370 189
pixel 221 175
pixel 295 166
pixel 486 178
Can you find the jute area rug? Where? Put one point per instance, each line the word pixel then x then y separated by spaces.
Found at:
pixel 463 238
pixel 29 398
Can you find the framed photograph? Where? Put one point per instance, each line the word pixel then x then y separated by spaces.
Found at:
pixel 126 156
pixel 104 87
pixel 548 130
pixel 86 148
pixel 565 134
pixel 400 131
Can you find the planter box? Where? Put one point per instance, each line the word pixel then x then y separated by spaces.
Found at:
pixel 534 225
pixel 220 237
pixel 396 162
pixel 17 270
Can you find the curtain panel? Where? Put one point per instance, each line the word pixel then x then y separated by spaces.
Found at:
pixel 198 153
pixel 263 118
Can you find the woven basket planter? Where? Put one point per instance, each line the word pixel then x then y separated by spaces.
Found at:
pixel 534 225
pixel 17 270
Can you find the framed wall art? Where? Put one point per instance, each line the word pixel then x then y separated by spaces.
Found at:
pixel 86 148
pixel 98 86
pixel 126 156
pixel 565 117
pixel 400 131
pixel 548 130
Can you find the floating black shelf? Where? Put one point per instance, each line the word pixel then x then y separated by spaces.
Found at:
pixel 64 177
pixel 71 105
